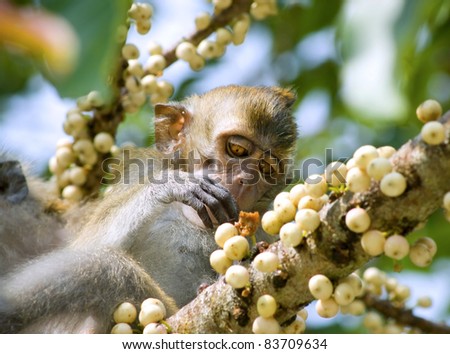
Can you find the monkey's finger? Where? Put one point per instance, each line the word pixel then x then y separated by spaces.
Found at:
pixel 214 205
pixel 201 210
pixel 227 201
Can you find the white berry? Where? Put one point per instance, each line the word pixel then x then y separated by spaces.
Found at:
pixel 64 156
pixel 364 155
pixel 197 63
pixel 266 262
pixel 396 247
pixel 429 110
pixel 355 282
pixel 154 48
pixel 420 255
pixel 307 219
pixel 150 313
pixel 296 193
pixel 357 220
pixel 424 301
pixel 222 4
pixel 374 276
pixel 122 328
pixel 266 306
pixel 271 222
pixel 236 248
pixel 402 292
pixel 336 173
pixel 237 276
pixel 291 235
pixel 103 142
pixel 77 175
pixel 373 321
pixel 153 301
pixel 327 308
pixel 223 36
pixel 357 308
pixel 202 21
pixel 446 201
pixel 320 287
pixel 378 168
pixel 263 325
pixel 393 184
pixel 149 84
pixel 372 242
pixel 219 261
pixel 429 243
pixel 224 232
pixel 433 133
pixel 285 209
pixel 386 151
pixel 296 327
pixel 207 49
pixel 143 26
pixel 316 186
pixel 125 312
pixel 344 294
pixel 308 202
pixel 155 64
pixel 73 193
pixel 357 180
pixel 185 51
pixel 130 51
pixel 95 98
pixel 155 328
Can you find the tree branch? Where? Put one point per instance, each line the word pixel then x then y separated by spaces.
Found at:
pixel 403 316
pixel 332 250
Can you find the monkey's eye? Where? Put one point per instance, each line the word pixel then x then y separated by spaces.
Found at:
pixel 236 150
pixel 266 168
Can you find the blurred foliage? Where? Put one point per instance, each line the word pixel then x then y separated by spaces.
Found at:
pixel 95 23
pixel 421 35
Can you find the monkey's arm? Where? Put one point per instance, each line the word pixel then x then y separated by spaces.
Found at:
pixel 116 219
pixel 73 291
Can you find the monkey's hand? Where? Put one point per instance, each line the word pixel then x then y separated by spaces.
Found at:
pixel 202 194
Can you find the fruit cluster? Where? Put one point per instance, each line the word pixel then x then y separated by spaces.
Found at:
pixel 149 321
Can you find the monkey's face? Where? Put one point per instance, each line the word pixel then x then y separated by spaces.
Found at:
pixel 246 169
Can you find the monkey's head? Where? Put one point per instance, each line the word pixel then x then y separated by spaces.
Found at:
pixel 242 136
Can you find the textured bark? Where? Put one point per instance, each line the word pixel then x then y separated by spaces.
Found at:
pixel 332 250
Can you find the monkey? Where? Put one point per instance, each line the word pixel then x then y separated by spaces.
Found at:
pixel 31 220
pixel 215 154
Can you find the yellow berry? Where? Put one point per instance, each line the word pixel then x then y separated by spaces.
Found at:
pixel 266 306
pixel 429 110
pixel 396 247
pixel 393 184
pixel 125 312
pixel 122 328
pixel 224 232
pixel 327 308
pixel 320 287
pixel 433 133
pixel 357 220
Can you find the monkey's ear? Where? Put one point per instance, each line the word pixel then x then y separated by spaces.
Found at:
pixel 287 94
pixel 13 184
pixel 170 121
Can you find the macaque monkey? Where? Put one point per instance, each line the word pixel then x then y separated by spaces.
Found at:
pixel 152 234
pixel 30 222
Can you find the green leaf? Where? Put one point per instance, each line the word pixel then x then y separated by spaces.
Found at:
pixel 95 23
